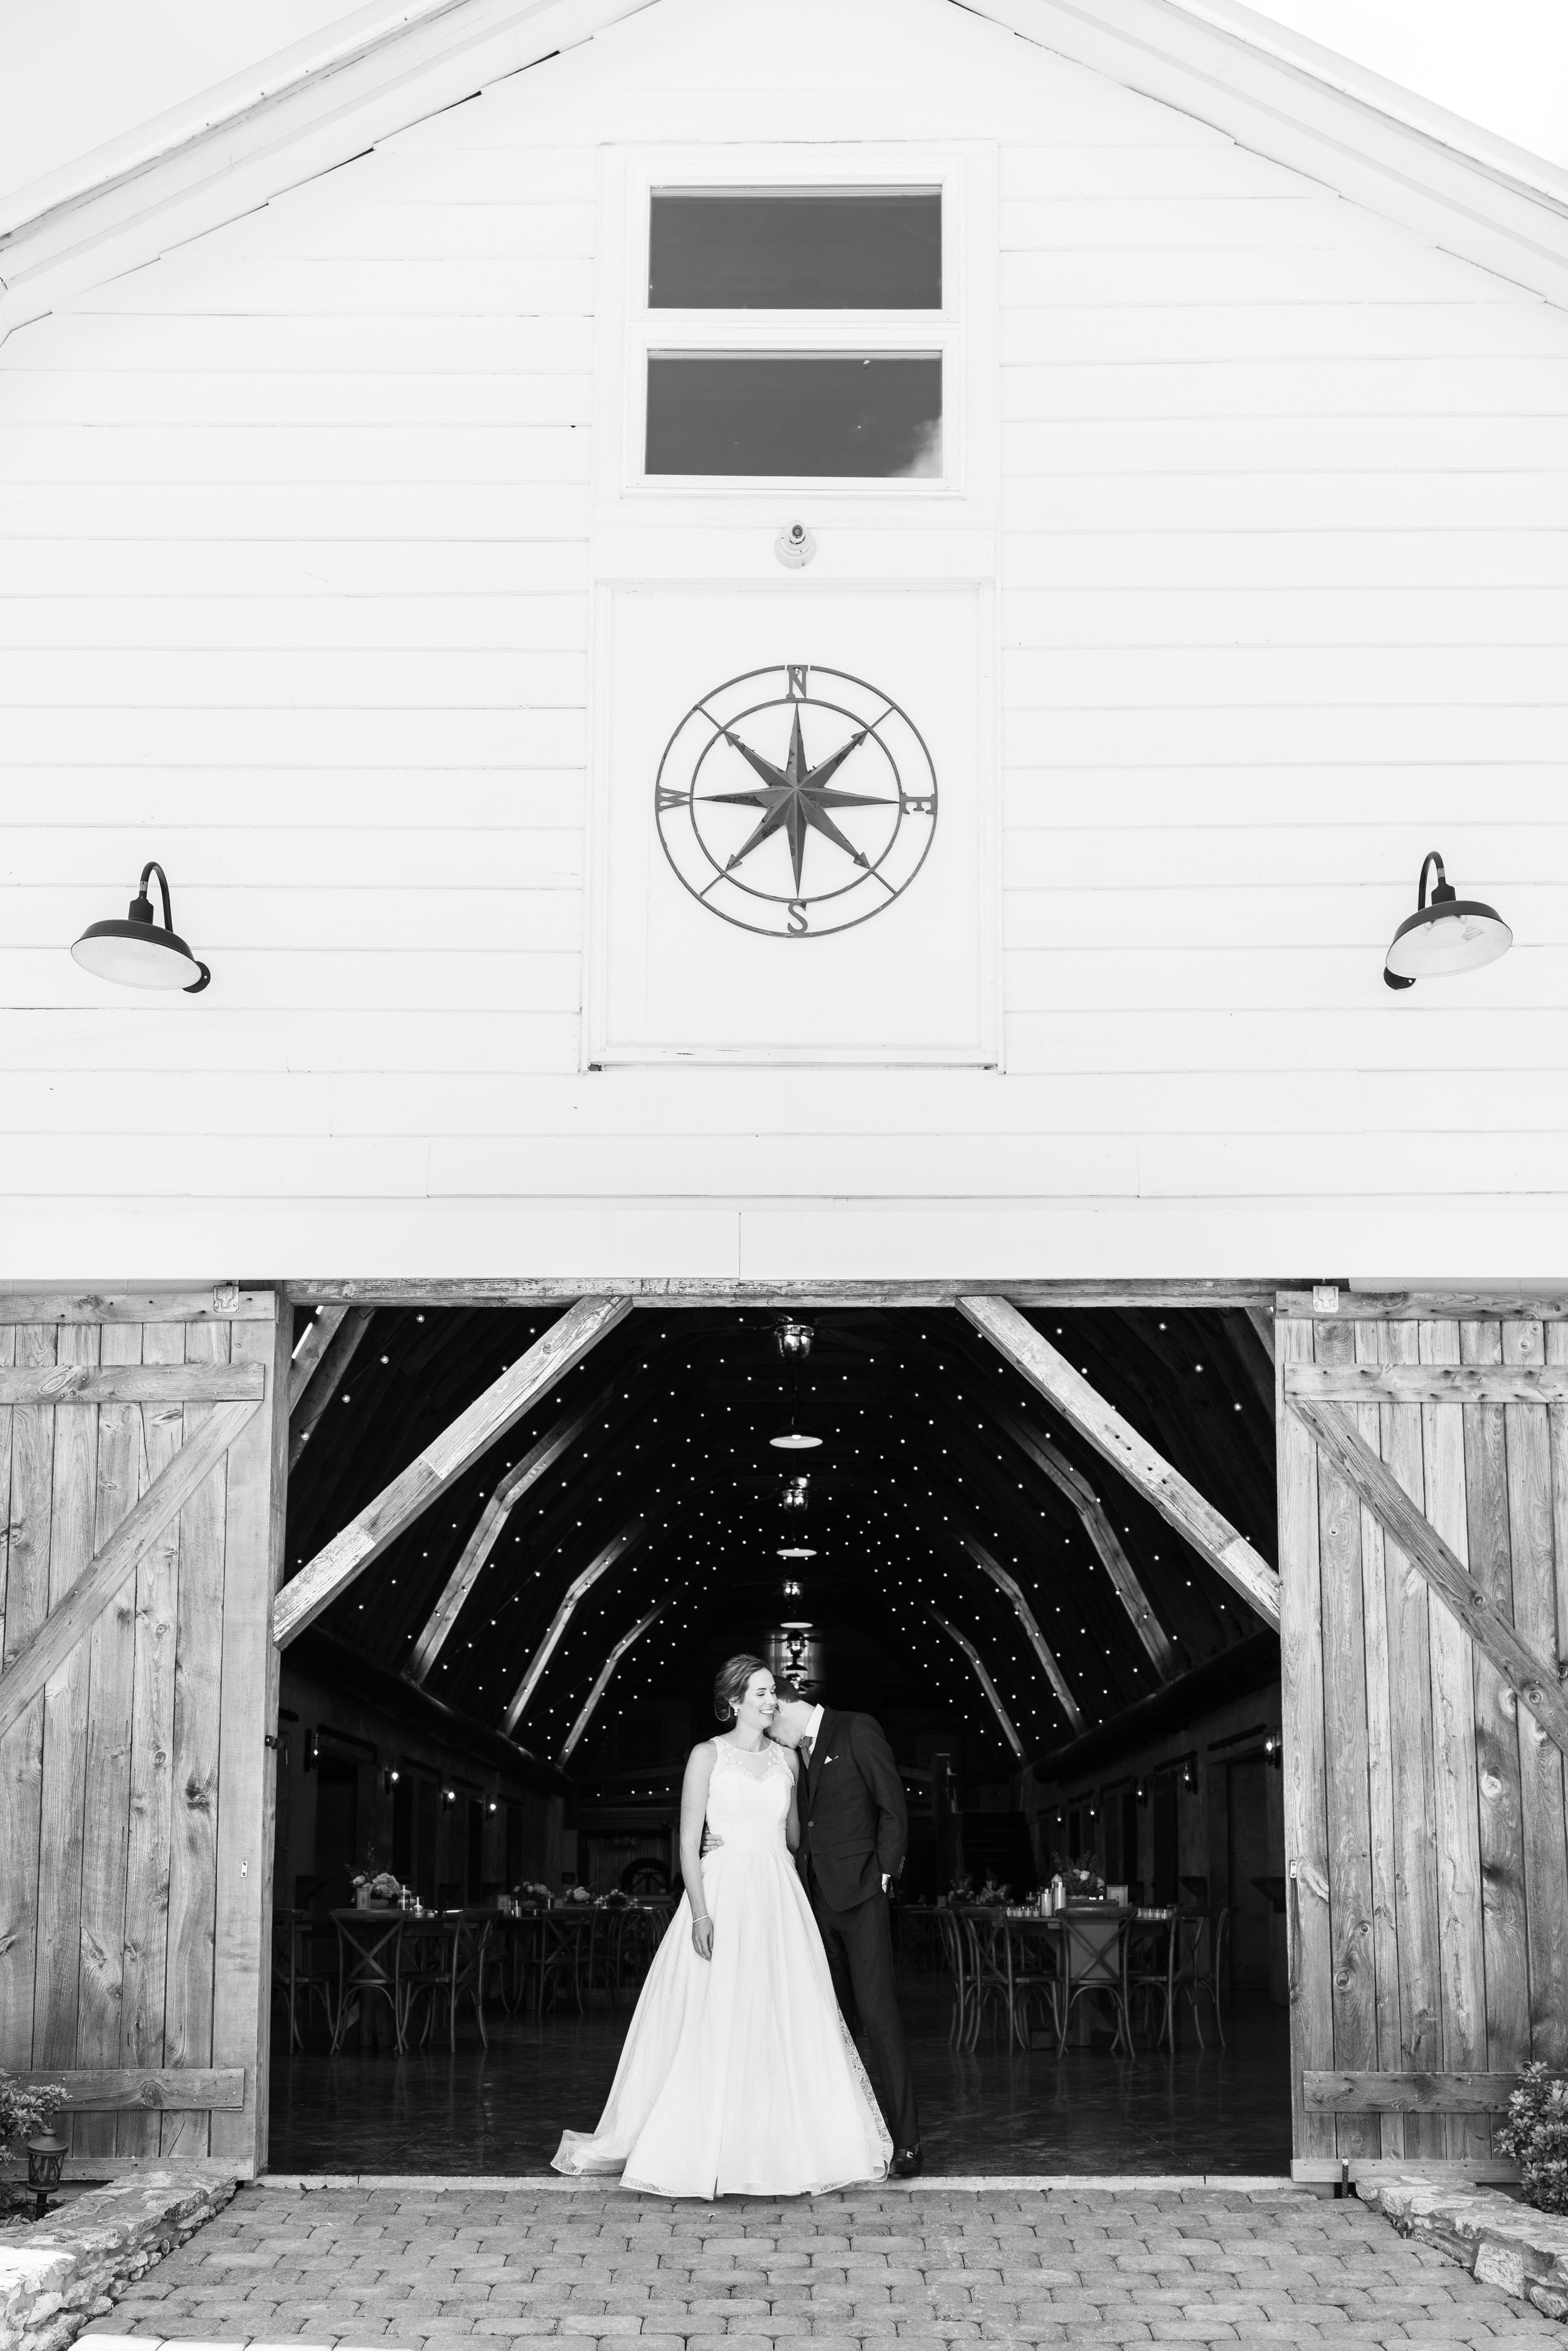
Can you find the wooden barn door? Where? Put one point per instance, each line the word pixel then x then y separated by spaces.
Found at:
pixel 141 1463
pixel 1424 1558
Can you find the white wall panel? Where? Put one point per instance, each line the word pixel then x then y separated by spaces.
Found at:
pixel 296 546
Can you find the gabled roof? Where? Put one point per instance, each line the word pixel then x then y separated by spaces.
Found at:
pixel 315 105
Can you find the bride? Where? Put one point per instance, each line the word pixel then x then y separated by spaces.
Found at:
pixel 738 2075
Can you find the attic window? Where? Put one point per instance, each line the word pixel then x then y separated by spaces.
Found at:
pixel 831 374
pixel 795 249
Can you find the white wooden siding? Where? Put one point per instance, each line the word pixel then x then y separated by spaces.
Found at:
pixel 295 557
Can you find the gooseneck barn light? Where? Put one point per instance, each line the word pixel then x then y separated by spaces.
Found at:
pixel 139 952
pixel 1450 934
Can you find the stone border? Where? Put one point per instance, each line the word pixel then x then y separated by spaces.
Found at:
pixel 72 2267
pixel 1502 2243
pixel 1066 2183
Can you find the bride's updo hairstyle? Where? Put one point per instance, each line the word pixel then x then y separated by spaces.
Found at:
pixel 730 1685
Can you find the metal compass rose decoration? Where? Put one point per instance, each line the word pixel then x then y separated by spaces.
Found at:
pixel 796 801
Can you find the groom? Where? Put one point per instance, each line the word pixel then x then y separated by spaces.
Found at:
pixel 854 1830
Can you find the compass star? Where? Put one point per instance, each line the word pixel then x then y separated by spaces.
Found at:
pixel 796 798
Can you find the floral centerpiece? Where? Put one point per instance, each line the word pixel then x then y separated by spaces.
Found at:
pixel 988 1894
pixel 26 2109
pixel 1083 1883
pixel 385 1891
pixel 533 1891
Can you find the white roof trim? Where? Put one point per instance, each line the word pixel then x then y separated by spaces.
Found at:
pixel 313 107
pixel 298 114
pixel 1471 193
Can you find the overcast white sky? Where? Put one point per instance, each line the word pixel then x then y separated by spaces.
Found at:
pixel 75 73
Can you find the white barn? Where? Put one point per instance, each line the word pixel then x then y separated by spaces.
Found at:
pixel 316 526
pixel 458 485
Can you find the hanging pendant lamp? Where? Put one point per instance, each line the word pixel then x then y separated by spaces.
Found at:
pixel 139 952
pixel 1449 935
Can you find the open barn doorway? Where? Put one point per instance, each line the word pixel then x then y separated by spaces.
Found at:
pixel 494 1713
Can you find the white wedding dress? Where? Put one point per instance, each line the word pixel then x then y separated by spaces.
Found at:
pixel 738 2075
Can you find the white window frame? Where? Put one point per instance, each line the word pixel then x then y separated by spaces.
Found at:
pixel 962 330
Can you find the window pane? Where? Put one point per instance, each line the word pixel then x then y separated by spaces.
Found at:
pixel 796 249
pixel 840 413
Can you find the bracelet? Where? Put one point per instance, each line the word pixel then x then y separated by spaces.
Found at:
pixel 701 1917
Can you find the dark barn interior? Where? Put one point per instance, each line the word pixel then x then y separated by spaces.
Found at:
pixel 506 1697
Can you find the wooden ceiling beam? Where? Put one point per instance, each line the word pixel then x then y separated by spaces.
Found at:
pixel 302 1363
pixel 442 1618
pixel 606 1674
pixel 1082 1408
pixel 487 1419
pixel 326 1379
pixel 1070 1481
pixel 630 1533
pixel 1065 1478
pixel 1012 1592
pixel 993 1696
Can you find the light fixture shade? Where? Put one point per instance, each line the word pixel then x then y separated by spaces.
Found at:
pixel 1460 935
pixel 139 955
pixel 795 1443
pixel 139 952
pixel 1452 934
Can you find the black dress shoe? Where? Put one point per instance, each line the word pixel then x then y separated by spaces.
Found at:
pixel 907 2162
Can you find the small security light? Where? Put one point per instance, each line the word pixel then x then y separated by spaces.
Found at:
pixel 1450 934
pixel 139 952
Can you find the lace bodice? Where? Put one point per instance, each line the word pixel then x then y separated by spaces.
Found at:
pixel 748 1796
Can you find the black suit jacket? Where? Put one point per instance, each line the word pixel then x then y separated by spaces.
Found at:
pixel 854 1823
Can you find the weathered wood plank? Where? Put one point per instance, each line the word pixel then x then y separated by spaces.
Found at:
pixel 1461 1950
pixel 1307 1926
pixel 1360 2093
pixel 1426 1383
pixel 1498 1804
pixel 253 1570
pixel 65 1625
pixel 1468 1600
pixel 1346 1780
pixel 112 1663
pixel 1419 2045
pixel 1211 1535
pixel 489 1416
pixel 188 1989
pixel 318 1330
pixel 7 1356
pixel 1129 1590
pixel 66 1716
pixel 328 1379
pixel 1432 1305
pixel 581 1583
pixel 697 1290
pixel 152 1761
pixel 85 1384
pixel 605 1674
pixel 1371 1340
pixel 992 1695
pixel 163 2089
pixel 218 1303
pixel 22 1744
pixel 514 1485
pixel 1537 1477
